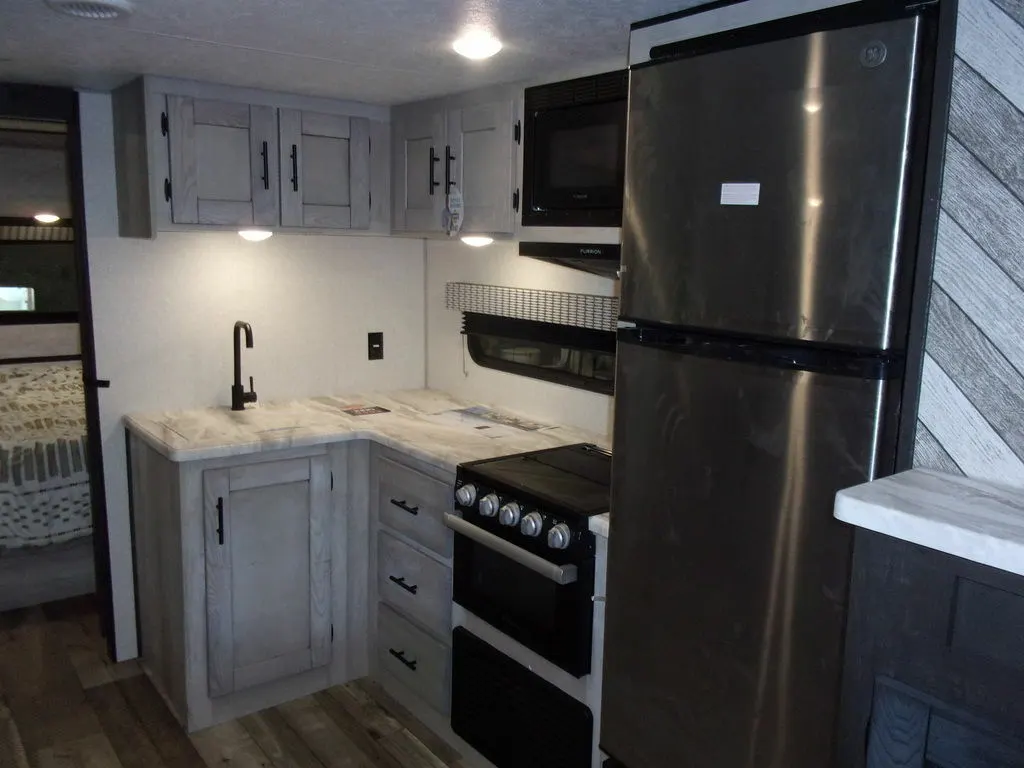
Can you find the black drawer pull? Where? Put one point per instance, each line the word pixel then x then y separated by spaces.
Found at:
pixel 402 505
pixel 266 165
pixel 400 655
pixel 434 159
pixel 412 589
pixel 295 167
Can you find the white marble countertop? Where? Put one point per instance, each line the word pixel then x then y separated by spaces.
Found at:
pixel 973 519
pixel 421 423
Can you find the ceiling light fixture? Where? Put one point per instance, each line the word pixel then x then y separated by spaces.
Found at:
pixel 477 241
pixel 46 218
pixel 255 235
pixel 477 44
pixel 97 10
pixel 813 106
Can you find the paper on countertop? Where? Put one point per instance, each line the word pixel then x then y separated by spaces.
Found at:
pixel 488 422
pixel 363 410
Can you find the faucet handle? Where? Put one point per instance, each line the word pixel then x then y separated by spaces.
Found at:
pixel 250 396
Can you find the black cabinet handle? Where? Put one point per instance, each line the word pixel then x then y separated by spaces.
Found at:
pixel 220 520
pixel 400 655
pixel 448 157
pixel 515 201
pixel 402 505
pixel 266 165
pixel 167 190
pixel 412 589
pixel 434 160
pixel 295 167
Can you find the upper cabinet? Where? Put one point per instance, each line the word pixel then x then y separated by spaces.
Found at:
pixel 466 143
pixel 482 160
pixel 223 162
pixel 196 156
pixel 417 135
pixel 326 179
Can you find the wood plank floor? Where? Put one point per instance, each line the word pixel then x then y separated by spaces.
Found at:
pixel 63 705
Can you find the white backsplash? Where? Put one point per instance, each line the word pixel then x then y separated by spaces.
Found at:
pixel 449 366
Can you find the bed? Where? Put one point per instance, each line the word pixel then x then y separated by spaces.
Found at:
pixel 45 513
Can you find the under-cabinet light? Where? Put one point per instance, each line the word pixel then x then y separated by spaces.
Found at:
pixel 477 241
pixel 255 235
pixel 46 218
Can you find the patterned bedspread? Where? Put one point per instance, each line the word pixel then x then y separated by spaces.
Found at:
pixel 44 481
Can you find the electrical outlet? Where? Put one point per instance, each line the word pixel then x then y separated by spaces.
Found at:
pixel 375 345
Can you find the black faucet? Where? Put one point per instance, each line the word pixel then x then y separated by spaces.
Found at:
pixel 239 397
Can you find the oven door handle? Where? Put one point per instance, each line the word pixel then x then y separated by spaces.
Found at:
pixel 560 574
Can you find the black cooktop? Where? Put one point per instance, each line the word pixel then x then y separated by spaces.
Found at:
pixel 574 478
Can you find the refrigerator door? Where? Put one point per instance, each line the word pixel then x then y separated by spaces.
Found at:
pixel 764 187
pixel 727 574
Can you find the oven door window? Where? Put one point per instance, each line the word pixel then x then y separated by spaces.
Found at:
pixel 555 621
pixel 580 157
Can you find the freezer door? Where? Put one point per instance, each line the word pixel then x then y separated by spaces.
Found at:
pixel 727 580
pixel 764 187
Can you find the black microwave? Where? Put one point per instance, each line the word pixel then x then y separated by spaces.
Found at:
pixel 574 153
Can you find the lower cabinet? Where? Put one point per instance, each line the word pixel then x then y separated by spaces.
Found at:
pixel 412 581
pixel 267 530
pixel 242 578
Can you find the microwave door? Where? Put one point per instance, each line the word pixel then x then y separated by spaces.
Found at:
pixel 577 160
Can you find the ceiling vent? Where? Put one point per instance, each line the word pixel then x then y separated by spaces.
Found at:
pixel 92 9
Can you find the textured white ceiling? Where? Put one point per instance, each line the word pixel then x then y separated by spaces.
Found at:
pixel 379 51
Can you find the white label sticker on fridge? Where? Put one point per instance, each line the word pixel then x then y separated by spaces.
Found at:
pixel 741 194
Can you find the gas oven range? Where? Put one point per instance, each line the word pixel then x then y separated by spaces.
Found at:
pixel 525 563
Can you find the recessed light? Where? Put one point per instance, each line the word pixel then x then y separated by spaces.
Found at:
pixel 815 202
pixel 97 10
pixel 46 218
pixel 255 235
pixel 813 106
pixel 477 241
pixel 477 44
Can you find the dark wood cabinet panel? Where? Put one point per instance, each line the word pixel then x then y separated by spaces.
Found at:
pixel 935 639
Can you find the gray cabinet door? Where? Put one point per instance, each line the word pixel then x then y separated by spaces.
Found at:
pixel 483 164
pixel 326 178
pixel 417 149
pixel 223 162
pixel 268 571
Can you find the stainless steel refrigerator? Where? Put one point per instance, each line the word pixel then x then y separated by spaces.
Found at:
pixel 768 262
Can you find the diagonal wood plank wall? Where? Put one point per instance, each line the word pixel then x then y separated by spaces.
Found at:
pixel 971 418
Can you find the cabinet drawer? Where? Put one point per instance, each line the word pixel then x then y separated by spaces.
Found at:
pixel 414 658
pixel 415 584
pixel 414 505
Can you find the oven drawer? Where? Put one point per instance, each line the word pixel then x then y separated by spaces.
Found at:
pixel 414 658
pixel 415 584
pixel 414 504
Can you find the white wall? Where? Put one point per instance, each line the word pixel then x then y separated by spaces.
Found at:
pixel 164 312
pixel 449 366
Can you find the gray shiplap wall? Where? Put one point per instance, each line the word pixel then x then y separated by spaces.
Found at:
pixel 971 417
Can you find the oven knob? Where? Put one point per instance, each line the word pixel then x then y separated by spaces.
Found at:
pixel 559 536
pixel 509 514
pixel 532 524
pixel 489 505
pixel 466 495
